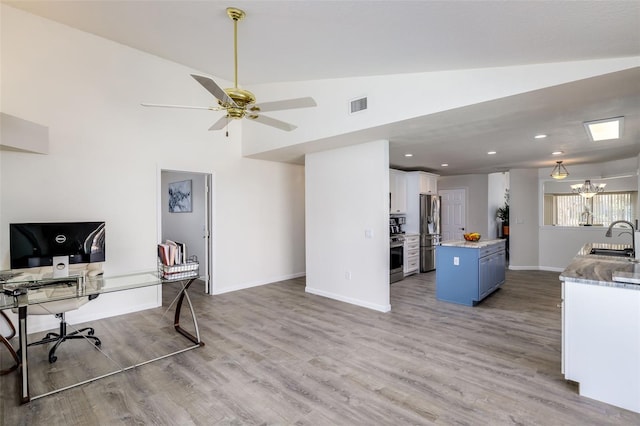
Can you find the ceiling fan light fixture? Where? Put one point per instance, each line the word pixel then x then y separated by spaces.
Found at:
pixel 240 103
pixel 588 189
pixel 559 171
pixel 604 130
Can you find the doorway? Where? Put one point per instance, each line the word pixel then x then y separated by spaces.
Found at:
pixel 190 225
pixel 454 213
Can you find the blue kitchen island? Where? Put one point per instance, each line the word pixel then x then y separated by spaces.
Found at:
pixel 467 272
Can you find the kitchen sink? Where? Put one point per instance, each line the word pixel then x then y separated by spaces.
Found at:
pixel 626 252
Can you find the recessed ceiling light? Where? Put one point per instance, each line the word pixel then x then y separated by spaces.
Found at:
pixel 603 130
pixel 540 136
pixel 408 155
pixel 444 165
pixel 491 152
pixel 557 153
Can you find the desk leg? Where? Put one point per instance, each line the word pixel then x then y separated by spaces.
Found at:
pixel 24 370
pixel 5 342
pixel 176 323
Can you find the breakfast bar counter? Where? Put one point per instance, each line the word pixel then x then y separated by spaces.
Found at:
pixel 601 326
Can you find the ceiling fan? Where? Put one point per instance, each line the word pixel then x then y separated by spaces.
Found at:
pixel 239 103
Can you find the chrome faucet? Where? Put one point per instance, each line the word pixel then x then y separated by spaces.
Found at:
pixel 633 238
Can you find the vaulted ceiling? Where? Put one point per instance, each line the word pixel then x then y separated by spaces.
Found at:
pixel 309 40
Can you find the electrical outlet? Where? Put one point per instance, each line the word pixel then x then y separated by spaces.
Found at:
pixel 456 260
pixel 368 233
pixel 347 275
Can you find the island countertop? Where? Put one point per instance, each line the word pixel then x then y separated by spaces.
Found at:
pixel 592 269
pixel 471 244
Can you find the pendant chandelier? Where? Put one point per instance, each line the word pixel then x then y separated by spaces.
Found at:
pixel 559 171
pixel 588 189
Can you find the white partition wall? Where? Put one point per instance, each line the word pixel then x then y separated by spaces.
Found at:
pixel 347 218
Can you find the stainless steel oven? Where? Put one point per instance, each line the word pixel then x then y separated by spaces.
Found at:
pixel 396 260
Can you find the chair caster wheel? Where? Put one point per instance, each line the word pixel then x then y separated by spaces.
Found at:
pixel 52 359
pixel 98 343
pixel 91 332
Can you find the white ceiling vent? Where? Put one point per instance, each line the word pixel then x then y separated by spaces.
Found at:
pixel 358 105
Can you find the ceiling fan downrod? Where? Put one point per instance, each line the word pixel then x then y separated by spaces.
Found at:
pixel 235 15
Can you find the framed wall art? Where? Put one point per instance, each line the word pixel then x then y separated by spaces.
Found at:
pixel 180 197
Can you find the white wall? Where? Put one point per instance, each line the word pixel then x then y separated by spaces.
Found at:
pixel 523 219
pixel 476 187
pixel 106 150
pixel 348 194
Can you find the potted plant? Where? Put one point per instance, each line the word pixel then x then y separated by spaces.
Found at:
pixel 503 214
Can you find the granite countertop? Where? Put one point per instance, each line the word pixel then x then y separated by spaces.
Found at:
pixel 592 269
pixel 470 244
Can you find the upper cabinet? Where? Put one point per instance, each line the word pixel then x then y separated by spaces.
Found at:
pixel 397 191
pixel 428 183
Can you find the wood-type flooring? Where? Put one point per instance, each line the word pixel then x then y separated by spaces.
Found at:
pixel 279 356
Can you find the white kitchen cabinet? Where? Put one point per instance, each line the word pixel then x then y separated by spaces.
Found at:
pixel 411 254
pixel 428 183
pixel 601 342
pixel 397 191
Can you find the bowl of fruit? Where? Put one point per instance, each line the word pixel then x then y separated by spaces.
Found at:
pixel 472 236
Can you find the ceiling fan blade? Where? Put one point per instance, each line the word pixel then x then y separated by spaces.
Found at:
pixel 214 89
pixel 223 121
pixel 180 106
pixel 272 122
pixel 284 104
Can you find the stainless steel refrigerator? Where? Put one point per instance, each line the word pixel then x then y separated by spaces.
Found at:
pixel 430 231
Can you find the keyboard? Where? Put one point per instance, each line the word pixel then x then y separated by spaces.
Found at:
pixel 6 276
pixel 18 288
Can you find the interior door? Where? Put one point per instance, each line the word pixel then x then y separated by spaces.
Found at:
pixel 454 216
pixel 192 228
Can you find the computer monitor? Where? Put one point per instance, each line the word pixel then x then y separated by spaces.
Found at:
pixel 36 244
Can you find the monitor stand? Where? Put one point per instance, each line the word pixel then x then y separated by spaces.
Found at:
pixel 60 266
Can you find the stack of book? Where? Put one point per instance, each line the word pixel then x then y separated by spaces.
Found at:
pixel 172 253
pixel 173 263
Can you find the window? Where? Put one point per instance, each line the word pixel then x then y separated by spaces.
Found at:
pixel 604 208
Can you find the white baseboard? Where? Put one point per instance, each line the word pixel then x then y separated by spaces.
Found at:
pixel 341 298
pixel 271 280
pixel 536 268
pixel 551 268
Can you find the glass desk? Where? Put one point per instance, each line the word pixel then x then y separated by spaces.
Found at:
pixel 19 293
